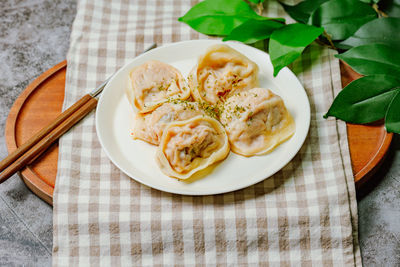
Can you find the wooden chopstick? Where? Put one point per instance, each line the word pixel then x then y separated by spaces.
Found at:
pixel 53 135
pixel 42 133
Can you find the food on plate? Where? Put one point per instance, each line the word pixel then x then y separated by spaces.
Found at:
pixel 256 121
pixel 152 83
pixel 149 126
pixel 224 109
pixel 220 72
pixel 189 146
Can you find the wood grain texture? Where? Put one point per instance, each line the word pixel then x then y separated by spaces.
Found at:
pixel 42 100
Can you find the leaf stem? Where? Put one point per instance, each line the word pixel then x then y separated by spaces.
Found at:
pixel 380 12
pixel 260 8
pixel 328 37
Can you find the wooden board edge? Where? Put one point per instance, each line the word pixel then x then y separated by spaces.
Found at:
pixel 39 187
pixel 44 191
pixel 19 102
pixel 364 175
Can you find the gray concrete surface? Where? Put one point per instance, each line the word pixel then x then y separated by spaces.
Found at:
pixel 34 36
pixel 379 213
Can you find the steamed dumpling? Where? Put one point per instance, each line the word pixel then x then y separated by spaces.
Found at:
pixel 220 72
pixel 152 83
pixel 189 146
pixel 256 122
pixel 149 126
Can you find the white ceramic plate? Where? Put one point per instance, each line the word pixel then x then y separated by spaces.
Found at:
pixel 136 158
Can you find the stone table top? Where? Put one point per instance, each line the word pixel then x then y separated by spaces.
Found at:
pixel 34 36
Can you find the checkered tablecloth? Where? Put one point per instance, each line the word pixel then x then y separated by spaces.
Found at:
pixel 304 215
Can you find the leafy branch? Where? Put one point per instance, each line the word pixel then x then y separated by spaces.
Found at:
pixel 366 29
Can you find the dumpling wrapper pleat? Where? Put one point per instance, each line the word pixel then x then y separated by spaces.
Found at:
pixel 256 122
pixel 149 127
pixel 220 72
pixel 192 145
pixel 154 82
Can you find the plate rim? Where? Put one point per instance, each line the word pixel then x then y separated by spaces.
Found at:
pixel 211 192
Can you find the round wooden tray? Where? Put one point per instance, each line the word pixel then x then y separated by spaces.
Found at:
pixel 38 104
pixel 368 143
pixel 42 101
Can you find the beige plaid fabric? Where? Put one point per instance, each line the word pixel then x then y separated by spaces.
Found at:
pixel 304 215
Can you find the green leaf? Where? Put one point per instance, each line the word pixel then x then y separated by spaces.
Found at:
pixel 302 11
pixel 287 43
pixel 218 17
pixel 364 100
pixel 341 18
pixel 373 59
pixel 392 119
pixel 253 30
pixel 257 1
pixel 382 30
pixel 390 7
